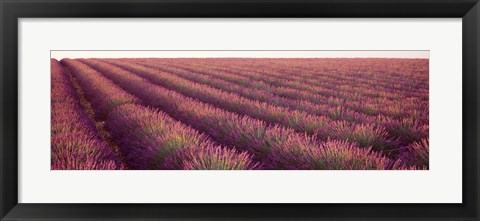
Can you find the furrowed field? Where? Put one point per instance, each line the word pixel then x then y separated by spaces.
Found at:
pixel 240 114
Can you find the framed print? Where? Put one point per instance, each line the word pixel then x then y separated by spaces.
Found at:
pixel 226 111
pixel 309 110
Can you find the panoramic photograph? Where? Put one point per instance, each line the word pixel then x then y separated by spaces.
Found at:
pixel 239 110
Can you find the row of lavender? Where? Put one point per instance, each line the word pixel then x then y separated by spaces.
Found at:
pixel 75 140
pixel 273 131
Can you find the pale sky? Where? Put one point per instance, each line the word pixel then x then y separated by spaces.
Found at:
pixel 253 54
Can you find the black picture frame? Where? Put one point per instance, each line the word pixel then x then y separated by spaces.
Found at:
pixel 12 10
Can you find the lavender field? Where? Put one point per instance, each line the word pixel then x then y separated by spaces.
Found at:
pixel 240 114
